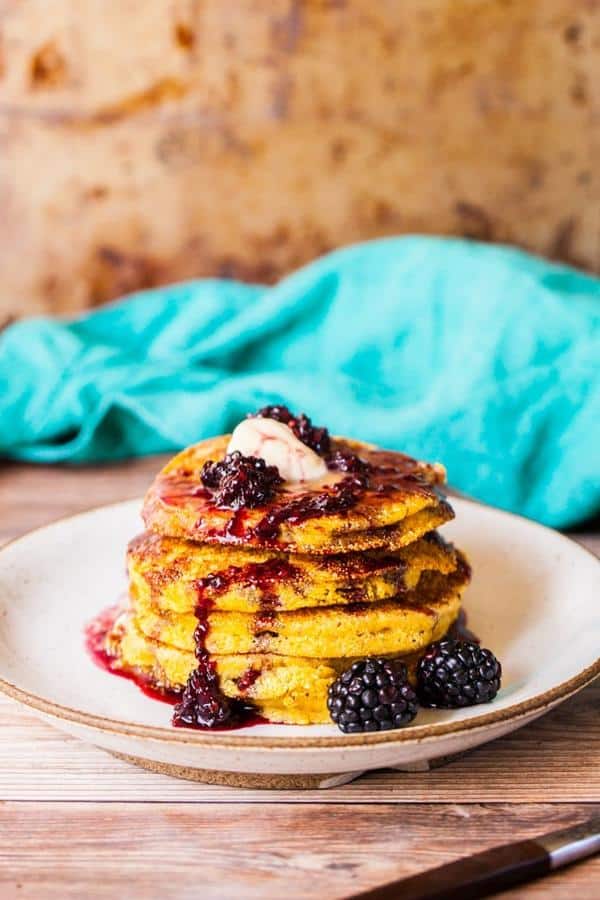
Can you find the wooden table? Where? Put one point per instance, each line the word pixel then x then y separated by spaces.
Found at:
pixel 75 822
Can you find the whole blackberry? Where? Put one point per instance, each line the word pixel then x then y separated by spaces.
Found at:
pixel 372 695
pixel 315 438
pixel 452 674
pixel 275 411
pixel 240 481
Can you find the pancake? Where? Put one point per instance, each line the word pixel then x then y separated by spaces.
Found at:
pixel 399 505
pixel 287 689
pixel 176 575
pixel 263 578
pixel 401 625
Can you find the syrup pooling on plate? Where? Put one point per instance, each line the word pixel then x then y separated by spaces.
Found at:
pixel 96 635
pixel 240 715
pixel 96 642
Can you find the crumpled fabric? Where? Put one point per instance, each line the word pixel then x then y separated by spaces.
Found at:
pixel 483 357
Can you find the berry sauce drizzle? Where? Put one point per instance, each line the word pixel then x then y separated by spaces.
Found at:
pixel 203 705
pixel 265 577
pixel 95 642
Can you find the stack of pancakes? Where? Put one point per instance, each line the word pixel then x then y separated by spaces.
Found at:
pixel 282 598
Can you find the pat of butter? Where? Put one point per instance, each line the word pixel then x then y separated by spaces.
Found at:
pixel 278 446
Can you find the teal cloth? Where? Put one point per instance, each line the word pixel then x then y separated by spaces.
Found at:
pixel 483 357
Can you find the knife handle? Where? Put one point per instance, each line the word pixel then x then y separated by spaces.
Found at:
pixel 471 877
pixel 495 869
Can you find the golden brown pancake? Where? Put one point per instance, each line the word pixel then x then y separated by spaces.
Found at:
pixel 278 599
pixel 175 575
pixel 286 689
pixel 400 504
pixel 398 626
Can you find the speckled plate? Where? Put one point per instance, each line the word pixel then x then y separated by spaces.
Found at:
pixel 534 600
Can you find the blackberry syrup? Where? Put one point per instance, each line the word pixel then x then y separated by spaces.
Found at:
pixel 95 643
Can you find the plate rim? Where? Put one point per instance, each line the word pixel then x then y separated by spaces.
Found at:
pixel 414 735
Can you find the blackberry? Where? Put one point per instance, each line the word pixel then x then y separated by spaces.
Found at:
pixel 239 481
pixel 202 704
pixel 213 472
pixel 452 674
pixel 275 411
pixel 314 437
pixel 372 695
pixel 317 438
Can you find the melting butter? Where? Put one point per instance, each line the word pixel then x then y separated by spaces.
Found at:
pixel 278 446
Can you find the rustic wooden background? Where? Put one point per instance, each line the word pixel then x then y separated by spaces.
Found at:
pixel 146 142
pixel 76 823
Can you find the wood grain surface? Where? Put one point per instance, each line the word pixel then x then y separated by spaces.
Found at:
pixel 228 850
pixel 74 822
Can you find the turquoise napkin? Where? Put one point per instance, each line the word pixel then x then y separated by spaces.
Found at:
pixel 483 357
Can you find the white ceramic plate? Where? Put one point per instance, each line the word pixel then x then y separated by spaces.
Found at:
pixel 534 601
